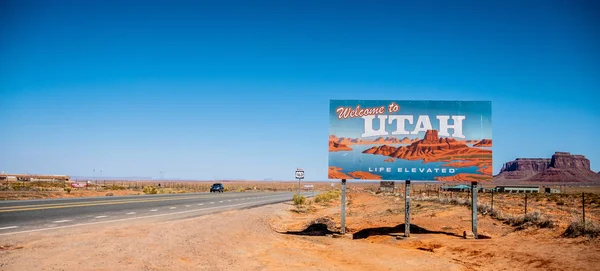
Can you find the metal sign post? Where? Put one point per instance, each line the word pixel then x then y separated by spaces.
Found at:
pixel 407 209
pixel 299 176
pixel 474 208
pixel 343 206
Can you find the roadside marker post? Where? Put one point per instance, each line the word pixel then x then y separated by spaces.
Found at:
pixel 474 208
pixel 583 210
pixel 407 209
pixel 492 199
pixel 299 176
pixel 343 206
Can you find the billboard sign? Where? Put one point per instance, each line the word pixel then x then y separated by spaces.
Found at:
pixel 410 140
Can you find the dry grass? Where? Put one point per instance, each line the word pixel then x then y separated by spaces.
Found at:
pixel 534 219
pixel 328 196
pixel 576 229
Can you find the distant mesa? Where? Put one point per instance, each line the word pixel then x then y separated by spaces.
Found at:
pixel 562 167
pixel 380 140
pixel 483 143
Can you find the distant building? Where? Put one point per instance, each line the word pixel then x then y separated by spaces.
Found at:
pixel 457 188
pixel 550 190
pixel 387 186
pixel 517 189
pixel 33 177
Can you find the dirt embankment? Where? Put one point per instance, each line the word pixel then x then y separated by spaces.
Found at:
pixel 438 229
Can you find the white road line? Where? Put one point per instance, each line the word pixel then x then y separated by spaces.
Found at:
pixel 101 216
pixel 11 227
pixel 130 213
pixel 62 221
pixel 153 210
pixel 200 204
pixel 126 219
pixel 220 201
pixel 188 205
pixel 173 208
pixel 212 202
pixel 229 201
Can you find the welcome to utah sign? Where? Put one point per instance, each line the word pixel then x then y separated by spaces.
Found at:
pixel 410 140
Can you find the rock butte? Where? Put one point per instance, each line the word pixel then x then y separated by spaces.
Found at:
pixel 562 167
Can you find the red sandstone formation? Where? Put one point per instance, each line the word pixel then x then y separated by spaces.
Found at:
pixel 484 143
pixel 335 173
pixel 562 167
pixel 333 147
pixel 364 175
pixel 464 177
pixel 432 148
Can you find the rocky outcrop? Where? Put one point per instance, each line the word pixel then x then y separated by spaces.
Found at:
pixel 562 167
pixel 333 147
pixel 430 148
pixel 336 173
pixel 483 143
pixel 564 160
pixel 526 164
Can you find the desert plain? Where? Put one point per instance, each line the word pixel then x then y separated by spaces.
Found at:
pixel 306 236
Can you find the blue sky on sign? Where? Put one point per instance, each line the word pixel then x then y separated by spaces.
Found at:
pixel 241 89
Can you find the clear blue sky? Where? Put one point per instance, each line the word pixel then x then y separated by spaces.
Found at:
pixel 229 89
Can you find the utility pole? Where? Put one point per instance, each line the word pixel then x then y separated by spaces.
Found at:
pixel 343 214
pixel 407 208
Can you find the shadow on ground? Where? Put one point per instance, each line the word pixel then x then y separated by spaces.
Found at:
pixel 317 229
pixel 399 229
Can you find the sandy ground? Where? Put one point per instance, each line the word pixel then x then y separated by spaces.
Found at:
pixel 234 240
pixel 251 240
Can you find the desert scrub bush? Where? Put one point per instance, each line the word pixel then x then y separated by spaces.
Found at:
pixel 115 187
pixel 241 189
pixel 576 229
pixel 328 196
pixel 299 200
pixel 532 219
pixel 68 189
pixel 150 190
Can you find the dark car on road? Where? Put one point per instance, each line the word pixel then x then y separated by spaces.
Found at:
pixel 217 187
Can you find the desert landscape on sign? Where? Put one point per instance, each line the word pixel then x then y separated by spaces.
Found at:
pixel 432 148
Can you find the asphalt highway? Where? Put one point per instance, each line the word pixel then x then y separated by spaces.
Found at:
pixel 24 216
